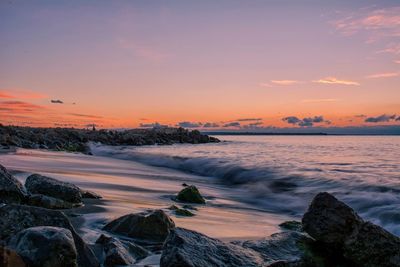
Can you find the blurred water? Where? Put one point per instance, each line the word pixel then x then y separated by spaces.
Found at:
pixel 281 174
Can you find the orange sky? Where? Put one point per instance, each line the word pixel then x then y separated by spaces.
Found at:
pixel 226 65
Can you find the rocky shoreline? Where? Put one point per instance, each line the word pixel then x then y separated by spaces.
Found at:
pixel 35 231
pixel 75 140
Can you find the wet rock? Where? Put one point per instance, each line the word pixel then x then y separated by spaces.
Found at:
pixel 188 248
pixel 173 207
pixel 190 194
pixel 183 212
pixel 45 246
pixel 292 225
pixel 15 218
pixel 90 194
pixel 338 228
pixel 47 202
pixel 10 258
pixel 150 225
pixel 38 184
pixel 11 190
pixel 329 220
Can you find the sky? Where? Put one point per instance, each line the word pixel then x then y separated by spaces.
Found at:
pixel 211 65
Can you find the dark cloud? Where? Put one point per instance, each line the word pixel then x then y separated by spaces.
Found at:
pixel 57 101
pixel 210 125
pixel 255 125
pixel 232 124
pixel 381 118
pixel 305 122
pixel 250 119
pixel 188 124
pixel 398 118
pixel 360 116
pixel 86 116
pixel 152 125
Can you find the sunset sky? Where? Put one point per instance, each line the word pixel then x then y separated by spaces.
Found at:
pixel 249 65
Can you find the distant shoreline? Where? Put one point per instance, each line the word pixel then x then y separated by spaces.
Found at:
pixel 294 134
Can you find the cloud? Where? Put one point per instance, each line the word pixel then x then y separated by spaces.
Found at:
pixel 210 125
pixel 20 94
pixel 398 118
pixel 383 75
pixel 305 122
pixel 333 80
pixel 232 124
pixel 360 116
pixel 320 100
pixel 19 107
pixel 250 119
pixel 145 51
pixel 56 101
pixel 254 125
pixel 152 125
pixel 381 118
pixel 188 124
pixel 85 116
pixel 285 82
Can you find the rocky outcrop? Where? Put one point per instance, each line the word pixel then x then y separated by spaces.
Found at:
pixel 90 194
pixel 338 228
pixel 190 194
pixel 10 258
pixel 47 202
pixel 15 218
pixel 152 226
pixel 38 184
pixel 45 246
pixel 187 248
pixel 292 226
pixel 11 190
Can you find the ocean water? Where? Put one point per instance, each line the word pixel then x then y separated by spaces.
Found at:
pixel 279 175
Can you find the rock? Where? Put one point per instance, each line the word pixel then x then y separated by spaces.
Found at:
pixel 329 220
pixel 190 194
pixel 186 248
pixel 90 194
pixel 10 258
pixel 47 202
pixel 11 190
pixel 38 184
pixel 150 225
pixel 338 228
pixel 115 253
pixel 183 212
pixel 173 207
pixel 15 218
pixel 292 225
pixel 45 246
pixel 190 207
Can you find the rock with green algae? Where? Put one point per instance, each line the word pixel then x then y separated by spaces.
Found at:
pixel 190 194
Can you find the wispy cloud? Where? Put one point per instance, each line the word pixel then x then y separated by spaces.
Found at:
pixel 285 82
pixel 146 51
pixel 319 100
pixel 85 116
pixel 381 118
pixel 13 106
pixel 21 94
pixel 250 119
pixel 383 75
pixel 188 124
pixel 334 80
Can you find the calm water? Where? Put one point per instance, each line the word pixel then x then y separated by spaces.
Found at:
pixel 281 174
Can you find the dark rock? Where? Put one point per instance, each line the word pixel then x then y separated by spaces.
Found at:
pixel 173 207
pixel 11 190
pixel 10 258
pixel 48 202
pixel 150 225
pixel 90 194
pixel 185 184
pixel 329 220
pixel 15 218
pixel 190 207
pixel 190 194
pixel 45 246
pixel 183 212
pixel 38 184
pixel 337 228
pixel 115 253
pixel 292 225
pixel 186 248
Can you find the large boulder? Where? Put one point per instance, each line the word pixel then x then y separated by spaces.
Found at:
pixel 186 248
pixel 15 218
pixel 153 226
pixel 47 202
pixel 11 190
pixel 45 246
pixel 338 228
pixel 10 258
pixel 190 194
pixel 38 184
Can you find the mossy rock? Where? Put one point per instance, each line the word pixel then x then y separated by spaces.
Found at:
pixel 292 225
pixel 190 194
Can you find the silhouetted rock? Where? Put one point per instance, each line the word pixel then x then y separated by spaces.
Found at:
pixel 10 258
pixel 89 194
pixel 337 227
pixel 45 246
pixel 183 212
pixel 38 184
pixel 186 248
pixel 190 194
pixel 11 190
pixel 292 225
pixel 47 202
pixel 150 225
pixel 15 218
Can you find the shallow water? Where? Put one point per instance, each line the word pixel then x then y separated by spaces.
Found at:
pixel 280 174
